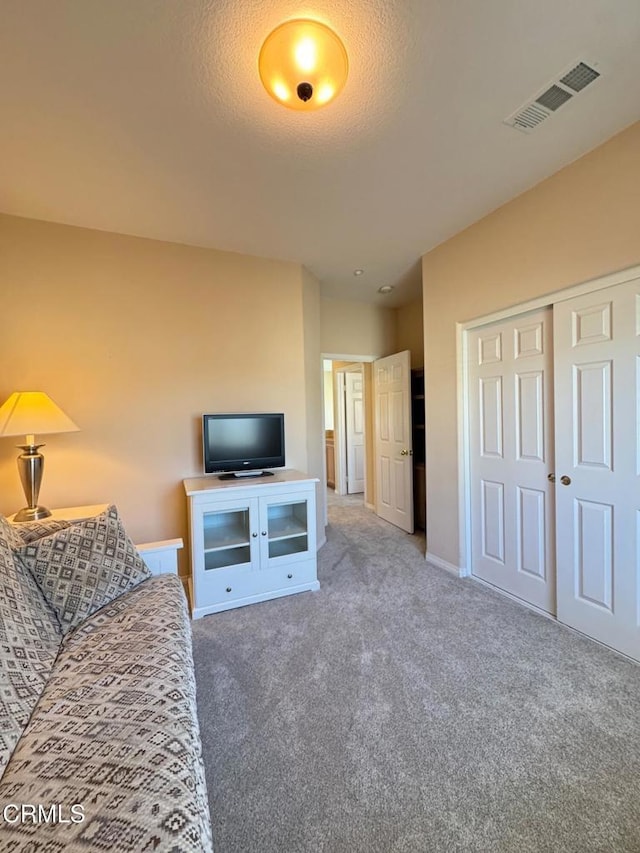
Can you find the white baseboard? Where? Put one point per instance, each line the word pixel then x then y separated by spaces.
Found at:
pixel 458 571
pixel 370 506
pixel 321 541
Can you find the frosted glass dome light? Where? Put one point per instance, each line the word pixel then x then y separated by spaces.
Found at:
pixel 303 64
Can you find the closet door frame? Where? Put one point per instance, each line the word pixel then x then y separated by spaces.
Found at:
pixel 463 388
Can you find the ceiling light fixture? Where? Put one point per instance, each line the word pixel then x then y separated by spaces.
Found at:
pixel 358 272
pixel 303 64
pixel 386 288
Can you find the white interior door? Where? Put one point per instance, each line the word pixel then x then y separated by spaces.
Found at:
pixel 394 464
pixel 354 402
pixel 597 380
pixel 511 454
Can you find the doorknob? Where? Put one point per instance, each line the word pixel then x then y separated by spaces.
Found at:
pixel 551 478
pixel 406 453
pixel 566 481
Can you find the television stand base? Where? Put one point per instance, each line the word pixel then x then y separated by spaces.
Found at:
pixel 237 475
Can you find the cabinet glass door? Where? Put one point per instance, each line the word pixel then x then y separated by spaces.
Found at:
pixel 227 538
pixel 287 528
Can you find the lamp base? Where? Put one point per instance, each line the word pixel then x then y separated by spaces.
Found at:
pixel 32 513
pixel 30 465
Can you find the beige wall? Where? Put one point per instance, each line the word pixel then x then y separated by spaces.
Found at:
pixel 313 389
pixel 410 331
pixel 134 339
pixel 327 383
pixel 356 328
pixel 581 223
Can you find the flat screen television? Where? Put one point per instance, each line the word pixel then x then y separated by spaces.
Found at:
pixel 243 445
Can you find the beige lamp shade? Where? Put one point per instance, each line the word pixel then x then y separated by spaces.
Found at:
pixel 33 412
pixel 303 64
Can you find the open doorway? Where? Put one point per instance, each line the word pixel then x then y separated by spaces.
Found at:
pixel 345 426
pixel 369 454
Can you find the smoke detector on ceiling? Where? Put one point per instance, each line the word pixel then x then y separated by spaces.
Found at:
pixel 566 86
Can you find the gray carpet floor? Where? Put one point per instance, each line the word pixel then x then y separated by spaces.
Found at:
pixel 399 709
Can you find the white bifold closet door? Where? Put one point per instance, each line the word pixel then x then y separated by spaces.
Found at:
pixel 555 503
pixel 511 452
pixel 597 379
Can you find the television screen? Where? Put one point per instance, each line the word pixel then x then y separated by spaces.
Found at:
pixel 238 443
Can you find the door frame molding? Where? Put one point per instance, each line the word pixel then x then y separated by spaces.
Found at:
pixel 462 387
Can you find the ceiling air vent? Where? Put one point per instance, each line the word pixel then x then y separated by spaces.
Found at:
pixel 568 84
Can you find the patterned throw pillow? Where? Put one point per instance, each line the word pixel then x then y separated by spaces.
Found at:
pixel 9 533
pixel 29 531
pixel 84 566
pixel 29 641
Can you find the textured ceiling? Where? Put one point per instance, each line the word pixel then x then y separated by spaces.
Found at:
pixel 148 117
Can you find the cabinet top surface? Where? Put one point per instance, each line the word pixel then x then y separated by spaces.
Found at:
pixel 71 513
pixel 195 485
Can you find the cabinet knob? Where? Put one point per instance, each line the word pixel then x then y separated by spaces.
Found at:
pixel 228 589
pixel 289 576
pixel 264 532
pixel 254 535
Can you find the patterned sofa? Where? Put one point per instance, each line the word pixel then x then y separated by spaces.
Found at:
pixel 99 740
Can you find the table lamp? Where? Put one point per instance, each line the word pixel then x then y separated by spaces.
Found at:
pixel 27 413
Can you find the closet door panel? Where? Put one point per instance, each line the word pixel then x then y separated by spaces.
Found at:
pixel 511 451
pixel 597 427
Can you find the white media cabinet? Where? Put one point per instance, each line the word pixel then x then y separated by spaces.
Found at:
pixel 251 539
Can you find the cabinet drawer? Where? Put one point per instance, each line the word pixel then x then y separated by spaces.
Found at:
pixel 292 575
pixel 222 584
pixel 231 586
